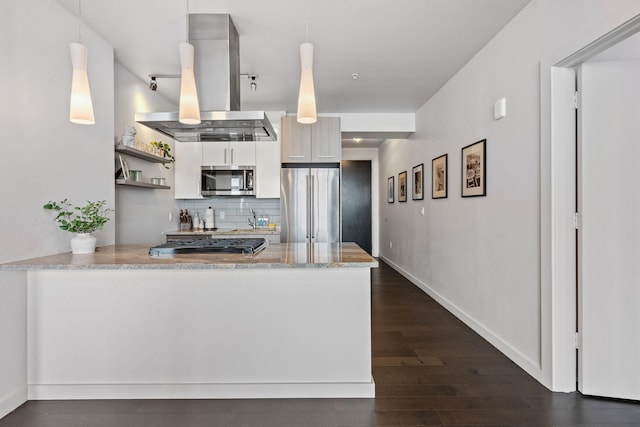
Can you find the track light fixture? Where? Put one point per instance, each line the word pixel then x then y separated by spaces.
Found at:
pixel 153 82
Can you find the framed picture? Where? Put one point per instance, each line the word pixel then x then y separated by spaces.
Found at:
pixel 474 169
pixel 402 186
pixel 390 185
pixel 440 178
pixel 418 182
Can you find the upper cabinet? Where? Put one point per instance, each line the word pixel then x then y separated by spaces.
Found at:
pixel 229 153
pixel 316 143
pixel 187 170
pixel 268 162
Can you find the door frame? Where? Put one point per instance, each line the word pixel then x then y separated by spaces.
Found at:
pixel 558 192
pixel 372 155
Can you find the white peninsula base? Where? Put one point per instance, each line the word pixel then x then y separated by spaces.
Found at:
pixel 208 333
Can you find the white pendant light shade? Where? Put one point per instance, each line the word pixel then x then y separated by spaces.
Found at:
pixel 81 107
pixel 307 95
pixel 189 107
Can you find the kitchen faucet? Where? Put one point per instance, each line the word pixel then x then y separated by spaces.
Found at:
pixel 252 223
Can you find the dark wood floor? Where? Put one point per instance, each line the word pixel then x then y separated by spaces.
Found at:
pixel 429 369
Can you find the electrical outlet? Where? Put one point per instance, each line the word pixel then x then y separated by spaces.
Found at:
pixel 390 245
pixel 221 214
pixel 170 216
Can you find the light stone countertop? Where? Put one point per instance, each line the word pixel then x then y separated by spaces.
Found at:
pixel 223 232
pixel 287 255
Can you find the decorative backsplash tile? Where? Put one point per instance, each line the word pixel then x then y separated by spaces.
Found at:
pixel 236 210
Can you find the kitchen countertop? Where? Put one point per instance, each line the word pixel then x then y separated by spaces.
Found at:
pixel 223 232
pixel 286 255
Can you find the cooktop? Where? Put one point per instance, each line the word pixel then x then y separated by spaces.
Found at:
pixel 248 245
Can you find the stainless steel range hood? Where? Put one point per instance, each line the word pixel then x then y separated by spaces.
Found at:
pixel 217 72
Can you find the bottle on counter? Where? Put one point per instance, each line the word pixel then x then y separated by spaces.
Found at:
pixel 209 223
pixel 196 222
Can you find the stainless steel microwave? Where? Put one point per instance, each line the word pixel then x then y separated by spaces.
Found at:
pixel 228 180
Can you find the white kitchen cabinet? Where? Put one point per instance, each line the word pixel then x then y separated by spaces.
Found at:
pixel 228 153
pixel 317 143
pixel 268 162
pixel 187 170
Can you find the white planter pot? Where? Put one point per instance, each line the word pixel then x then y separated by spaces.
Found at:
pixel 83 243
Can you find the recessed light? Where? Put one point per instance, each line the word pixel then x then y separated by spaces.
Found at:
pixel 357 140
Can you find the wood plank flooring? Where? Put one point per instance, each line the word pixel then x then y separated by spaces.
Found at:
pixel 429 369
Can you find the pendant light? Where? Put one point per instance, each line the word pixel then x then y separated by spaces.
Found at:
pixel 189 107
pixel 80 105
pixel 307 96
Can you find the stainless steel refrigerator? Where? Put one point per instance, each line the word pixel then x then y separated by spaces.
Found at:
pixel 310 204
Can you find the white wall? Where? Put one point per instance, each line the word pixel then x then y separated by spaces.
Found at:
pixel 142 215
pixel 44 156
pixel 370 154
pixel 481 256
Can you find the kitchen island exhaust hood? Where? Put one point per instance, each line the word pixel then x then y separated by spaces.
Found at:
pixel 217 71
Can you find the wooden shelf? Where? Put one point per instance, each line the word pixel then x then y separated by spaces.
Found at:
pixel 125 149
pixel 141 184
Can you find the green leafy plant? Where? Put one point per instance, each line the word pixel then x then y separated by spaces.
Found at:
pixel 80 219
pixel 166 151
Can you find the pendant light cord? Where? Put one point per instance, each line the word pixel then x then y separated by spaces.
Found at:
pixel 186 24
pixel 306 21
pixel 80 21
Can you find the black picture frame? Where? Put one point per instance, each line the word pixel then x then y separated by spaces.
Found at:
pixel 390 189
pixel 440 177
pixel 474 169
pixel 402 186
pixel 418 182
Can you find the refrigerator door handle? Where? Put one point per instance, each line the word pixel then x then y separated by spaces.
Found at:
pixel 308 208
pixel 316 195
pixel 312 215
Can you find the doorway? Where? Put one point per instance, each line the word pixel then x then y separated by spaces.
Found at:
pixel 356 203
pixel 599 172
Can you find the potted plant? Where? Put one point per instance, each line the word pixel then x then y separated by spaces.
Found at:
pixel 81 220
pixel 165 149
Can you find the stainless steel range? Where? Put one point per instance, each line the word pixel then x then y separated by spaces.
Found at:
pixel 248 246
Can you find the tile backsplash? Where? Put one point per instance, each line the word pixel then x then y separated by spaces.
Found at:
pixel 235 209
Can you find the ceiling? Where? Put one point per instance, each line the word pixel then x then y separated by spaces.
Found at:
pixel 403 51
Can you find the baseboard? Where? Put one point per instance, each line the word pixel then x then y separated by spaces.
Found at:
pixel 12 401
pixel 201 391
pixel 531 367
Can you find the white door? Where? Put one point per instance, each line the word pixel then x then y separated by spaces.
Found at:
pixel 609 237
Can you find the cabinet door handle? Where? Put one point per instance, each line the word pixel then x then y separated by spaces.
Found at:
pixel 325 157
pixel 296 157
